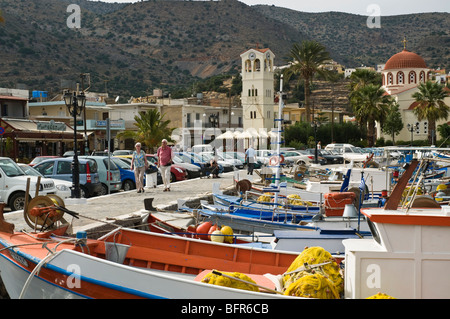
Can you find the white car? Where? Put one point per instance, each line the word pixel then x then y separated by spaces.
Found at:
pixel 62 187
pixel 13 184
pixel 297 157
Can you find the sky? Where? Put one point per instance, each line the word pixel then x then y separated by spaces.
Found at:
pixel 361 7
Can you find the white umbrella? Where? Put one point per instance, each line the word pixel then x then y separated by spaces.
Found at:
pixel 228 135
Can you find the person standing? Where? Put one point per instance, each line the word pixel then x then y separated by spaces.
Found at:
pixel 250 159
pixel 165 156
pixel 139 164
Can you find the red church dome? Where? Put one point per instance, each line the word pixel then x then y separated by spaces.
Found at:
pixel 405 60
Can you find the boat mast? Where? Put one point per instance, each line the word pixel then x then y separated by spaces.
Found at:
pixel 279 120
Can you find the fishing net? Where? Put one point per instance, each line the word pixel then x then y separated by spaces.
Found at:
pixel 312 286
pixel 380 296
pixel 330 271
pixel 219 280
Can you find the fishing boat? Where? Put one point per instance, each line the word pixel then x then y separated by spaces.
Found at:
pixel 409 254
pixel 128 263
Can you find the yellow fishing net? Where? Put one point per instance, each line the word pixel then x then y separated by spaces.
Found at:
pixel 219 280
pixel 312 286
pixel 294 199
pixel 266 197
pixel 380 296
pixel 308 257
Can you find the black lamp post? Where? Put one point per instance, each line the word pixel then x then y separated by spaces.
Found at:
pixel 315 124
pixel 75 104
pixel 412 128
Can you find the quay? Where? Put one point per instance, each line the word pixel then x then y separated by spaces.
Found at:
pixel 118 208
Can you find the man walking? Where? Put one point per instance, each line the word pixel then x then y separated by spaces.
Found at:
pixel 165 156
pixel 250 159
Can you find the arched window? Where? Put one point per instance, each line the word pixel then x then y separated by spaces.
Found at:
pixel 390 79
pixel 400 78
pixel 412 77
pixel 248 66
pixel 257 65
pixel 383 81
pixel 422 76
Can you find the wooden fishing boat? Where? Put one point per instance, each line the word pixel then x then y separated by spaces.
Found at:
pixel 127 264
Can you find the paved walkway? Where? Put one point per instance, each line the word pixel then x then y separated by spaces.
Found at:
pixel 125 204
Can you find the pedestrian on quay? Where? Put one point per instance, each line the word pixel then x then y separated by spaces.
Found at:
pixel 139 164
pixel 250 159
pixel 165 156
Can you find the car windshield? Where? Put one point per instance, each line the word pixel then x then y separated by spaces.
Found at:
pixel 28 170
pixel 112 167
pixel 120 163
pixel 10 168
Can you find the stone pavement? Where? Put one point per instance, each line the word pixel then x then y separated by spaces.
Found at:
pixel 122 205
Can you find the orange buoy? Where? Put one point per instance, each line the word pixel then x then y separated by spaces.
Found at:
pixel 202 230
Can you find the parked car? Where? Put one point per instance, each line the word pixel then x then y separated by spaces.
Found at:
pixel 39 159
pixel 241 156
pixel 348 151
pixel 196 159
pixel 263 156
pixel 297 157
pixel 13 184
pixel 122 152
pixel 228 165
pixel 127 162
pixel 126 174
pixel 329 157
pixel 109 178
pixel 63 188
pixel 228 158
pixel 193 171
pixel 177 173
pixel 61 168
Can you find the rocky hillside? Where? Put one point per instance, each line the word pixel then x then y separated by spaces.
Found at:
pixel 131 49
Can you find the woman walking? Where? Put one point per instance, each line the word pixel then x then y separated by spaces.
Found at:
pixel 139 164
pixel 165 155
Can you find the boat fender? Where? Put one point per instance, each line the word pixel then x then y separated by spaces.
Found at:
pixel 202 230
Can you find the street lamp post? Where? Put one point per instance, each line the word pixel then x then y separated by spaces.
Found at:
pixel 411 128
pixel 315 124
pixel 75 104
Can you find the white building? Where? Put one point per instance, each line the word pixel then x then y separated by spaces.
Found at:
pixel 258 89
pixel 401 76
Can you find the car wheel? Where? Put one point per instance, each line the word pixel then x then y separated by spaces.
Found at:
pixel 103 191
pixel 173 178
pixel 128 185
pixel 17 201
pixel 83 192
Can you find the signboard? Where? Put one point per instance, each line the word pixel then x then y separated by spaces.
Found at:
pixel 51 126
pixel 2 130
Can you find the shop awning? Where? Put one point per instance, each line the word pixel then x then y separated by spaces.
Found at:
pixel 29 130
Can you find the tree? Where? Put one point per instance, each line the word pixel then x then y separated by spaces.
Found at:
pixel 370 104
pixel 152 128
pixel 306 60
pixel 1 17
pixel 431 106
pixel 393 123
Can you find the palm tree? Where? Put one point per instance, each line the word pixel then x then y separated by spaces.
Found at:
pixel 362 77
pixel 306 61
pixel 431 106
pixel 152 128
pixel 371 104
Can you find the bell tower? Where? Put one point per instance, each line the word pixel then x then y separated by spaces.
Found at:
pixel 258 89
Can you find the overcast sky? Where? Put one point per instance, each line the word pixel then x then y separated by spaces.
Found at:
pixel 386 7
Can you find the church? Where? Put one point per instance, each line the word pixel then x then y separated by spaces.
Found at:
pixel 401 75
